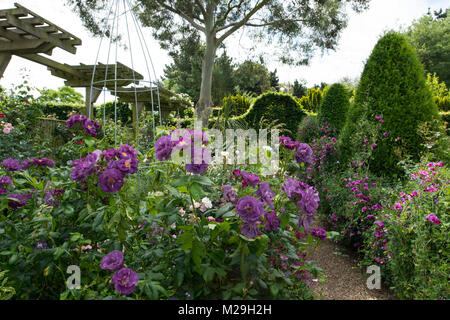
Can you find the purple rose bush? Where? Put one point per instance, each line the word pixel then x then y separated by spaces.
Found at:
pixel 124 279
pixel 106 169
pixel 81 122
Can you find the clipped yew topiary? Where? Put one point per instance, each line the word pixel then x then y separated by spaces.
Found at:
pixel 393 97
pixel 273 107
pixel 235 105
pixel 334 106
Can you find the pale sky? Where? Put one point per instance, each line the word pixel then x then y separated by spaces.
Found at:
pixel 355 44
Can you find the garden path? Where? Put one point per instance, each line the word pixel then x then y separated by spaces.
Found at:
pixel 345 280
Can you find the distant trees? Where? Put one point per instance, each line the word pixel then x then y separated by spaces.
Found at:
pixel 430 37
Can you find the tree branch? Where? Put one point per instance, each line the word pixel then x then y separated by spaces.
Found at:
pixel 202 9
pixel 242 22
pixel 218 22
pixel 274 22
pixel 183 15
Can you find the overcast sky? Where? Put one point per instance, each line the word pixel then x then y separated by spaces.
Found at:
pixel 355 44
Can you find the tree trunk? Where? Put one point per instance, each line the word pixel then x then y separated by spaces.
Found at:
pixel 205 103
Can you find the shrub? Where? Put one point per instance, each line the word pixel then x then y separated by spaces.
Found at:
pixel 334 106
pixel 235 105
pixel 279 107
pixel 392 90
pixel 124 113
pixel 443 103
pixel 441 95
pixel 60 111
pixel 311 101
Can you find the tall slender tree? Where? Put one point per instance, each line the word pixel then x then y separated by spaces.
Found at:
pixel 298 27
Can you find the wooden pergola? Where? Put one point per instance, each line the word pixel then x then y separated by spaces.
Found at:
pixel 25 34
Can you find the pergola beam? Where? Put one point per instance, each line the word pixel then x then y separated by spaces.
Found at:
pixel 4 61
pixel 13 20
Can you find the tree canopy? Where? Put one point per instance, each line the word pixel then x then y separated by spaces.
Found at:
pixel 430 37
pixel 296 27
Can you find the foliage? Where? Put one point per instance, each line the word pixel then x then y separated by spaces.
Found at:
pixel 299 89
pixel 441 95
pixel 420 250
pixel 64 94
pixel 309 129
pixel 176 231
pixel 278 107
pixel 113 110
pixel 235 105
pixel 392 91
pixel 59 110
pixel 274 80
pixel 334 106
pixel 312 99
pixel 430 37
pixel 253 77
pixel 299 28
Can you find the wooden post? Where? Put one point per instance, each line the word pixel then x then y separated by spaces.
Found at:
pixel 95 95
pixel 4 61
pixel 164 114
pixel 136 114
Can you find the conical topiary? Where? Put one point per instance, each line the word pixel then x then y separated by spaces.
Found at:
pixel 393 97
pixel 334 106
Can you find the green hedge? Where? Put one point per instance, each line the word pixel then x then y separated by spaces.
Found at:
pixel 393 87
pixel 61 111
pixel 334 106
pixel 279 108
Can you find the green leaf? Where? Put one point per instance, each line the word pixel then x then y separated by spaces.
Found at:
pixel 203 180
pixel 224 209
pixel 198 251
pixel 185 239
pixel 208 274
pixel 197 191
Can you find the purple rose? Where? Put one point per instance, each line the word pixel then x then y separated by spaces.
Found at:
pixel 199 160
pixel 249 179
pixel 319 233
pixel 229 194
pixel 310 201
pixel 38 163
pixel 304 221
pixel 11 164
pixel 249 209
pixel 111 180
pixel 125 151
pixel 266 194
pixel 18 200
pixel 250 230
pixel 304 153
pixel 84 166
pixel 90 127
pixel 126 166
pixel 294 189
pixel 164 147
pixel 288 143
pixel 125 281
pixel 78 118
pixel 112 261
pixel 5 181
pixel 272 221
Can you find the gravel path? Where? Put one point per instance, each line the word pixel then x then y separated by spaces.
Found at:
pixel 345 280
